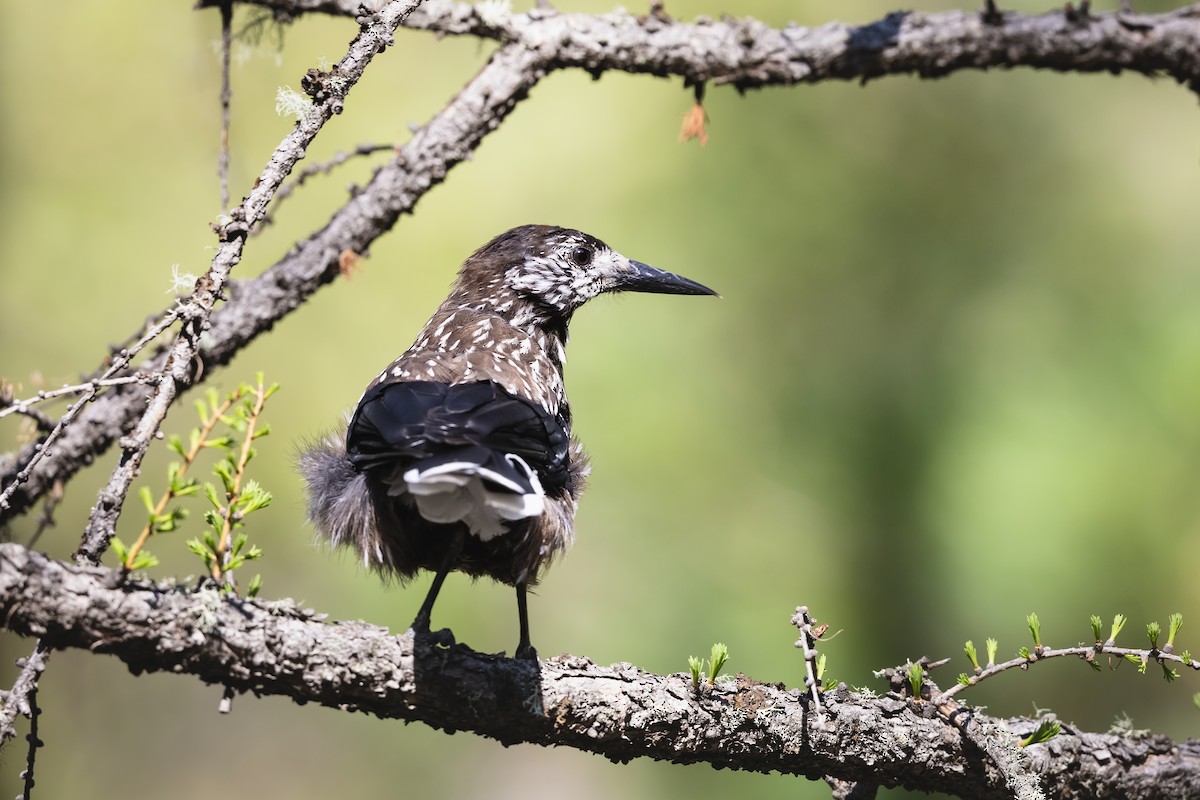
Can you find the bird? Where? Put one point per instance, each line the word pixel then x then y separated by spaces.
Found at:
pixel 459 455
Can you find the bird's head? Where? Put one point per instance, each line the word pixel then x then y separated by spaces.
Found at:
pixel 550 272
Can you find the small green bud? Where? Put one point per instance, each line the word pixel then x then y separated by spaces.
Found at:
pixel 916 679
pixel 1153 631
pixel 1118 623
pixel 1174 623
pixel 147 498
pixel 718 657
pixel 119 549
pixel 144 560
pixel 972 656
pixel 1046 730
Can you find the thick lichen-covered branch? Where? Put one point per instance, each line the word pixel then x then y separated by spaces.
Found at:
pixel 618 711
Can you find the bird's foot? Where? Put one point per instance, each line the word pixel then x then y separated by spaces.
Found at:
pixel 442 638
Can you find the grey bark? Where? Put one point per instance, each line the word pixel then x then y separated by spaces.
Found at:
pixel 617 711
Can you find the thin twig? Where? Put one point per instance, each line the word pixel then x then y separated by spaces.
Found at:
pixel 119 362
pixel 15 703
pixel 43 448
pixel 1086 652
pixel 137 340
pixel 34 744
pixel 226 97
pixel 807 643
pixel 26 406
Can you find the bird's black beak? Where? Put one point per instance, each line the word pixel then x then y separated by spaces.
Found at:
pixel 645 278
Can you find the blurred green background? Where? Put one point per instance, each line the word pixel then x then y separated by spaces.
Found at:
pixel 955 376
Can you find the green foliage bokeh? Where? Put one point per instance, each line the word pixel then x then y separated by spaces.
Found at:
pixel 954 377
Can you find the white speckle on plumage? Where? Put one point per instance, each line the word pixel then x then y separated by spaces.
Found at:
pixel 438 331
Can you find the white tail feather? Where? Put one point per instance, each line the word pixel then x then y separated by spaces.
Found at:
pixel 459 491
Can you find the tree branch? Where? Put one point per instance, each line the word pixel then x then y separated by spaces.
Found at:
pixel 750 54
pixel 745 53
pixel 619 712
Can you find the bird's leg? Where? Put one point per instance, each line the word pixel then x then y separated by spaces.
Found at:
pixel 421 623
pixel 524 648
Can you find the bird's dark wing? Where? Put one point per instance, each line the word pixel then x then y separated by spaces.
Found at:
pixel 426 423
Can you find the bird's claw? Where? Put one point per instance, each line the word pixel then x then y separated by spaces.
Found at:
pixel 443 637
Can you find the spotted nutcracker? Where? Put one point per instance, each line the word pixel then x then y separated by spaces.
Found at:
pixel 460 454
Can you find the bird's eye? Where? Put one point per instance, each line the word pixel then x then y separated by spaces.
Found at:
pixel 581 256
